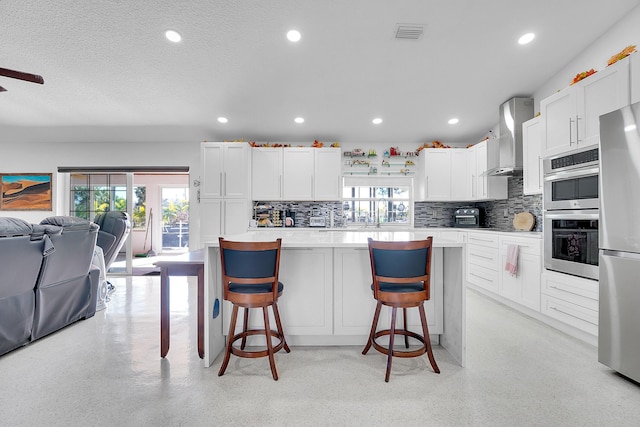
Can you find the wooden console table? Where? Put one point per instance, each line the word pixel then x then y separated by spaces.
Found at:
pixel 189 264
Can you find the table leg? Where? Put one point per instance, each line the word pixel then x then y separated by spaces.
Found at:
pixel 164 312
pixel 201 312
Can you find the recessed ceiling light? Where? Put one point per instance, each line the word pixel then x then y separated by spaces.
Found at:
pixel 294 35
pixel 173 36
pixel 376 121
pixel 527 38
pixel 222 120
pixel 453 121
pixel 299 120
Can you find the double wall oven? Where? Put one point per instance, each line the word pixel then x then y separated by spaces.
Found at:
pixel 571 213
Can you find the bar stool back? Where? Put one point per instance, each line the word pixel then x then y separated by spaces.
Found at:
pixel 401 279
pixel 250 280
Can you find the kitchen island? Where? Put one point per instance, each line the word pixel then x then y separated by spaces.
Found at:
pixel 327 299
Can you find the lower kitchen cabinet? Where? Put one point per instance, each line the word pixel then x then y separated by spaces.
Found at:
pixel 306 302
pixel 223 217
pixel 571 300
pixel 354 303
pixel 487 256
pixel 524 287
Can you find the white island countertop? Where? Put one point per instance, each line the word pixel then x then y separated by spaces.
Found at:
pixel 335 239
pixel 331 302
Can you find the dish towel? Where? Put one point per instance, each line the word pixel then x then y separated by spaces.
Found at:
pixel 511 264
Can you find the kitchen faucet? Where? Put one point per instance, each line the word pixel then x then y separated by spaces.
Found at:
pixel 378 211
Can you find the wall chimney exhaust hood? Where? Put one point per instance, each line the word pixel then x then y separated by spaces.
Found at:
pixel 513 113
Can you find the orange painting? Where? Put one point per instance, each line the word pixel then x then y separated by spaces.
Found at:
pixel 25 192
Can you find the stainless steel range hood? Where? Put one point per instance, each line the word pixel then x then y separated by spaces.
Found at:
pixel 513 113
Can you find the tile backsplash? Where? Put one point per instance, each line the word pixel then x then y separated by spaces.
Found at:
pixel 498 213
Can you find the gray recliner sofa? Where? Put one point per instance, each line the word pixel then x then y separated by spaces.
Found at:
pixel 21 255
pixel 46 278
pixel 67 288
pixel 114 226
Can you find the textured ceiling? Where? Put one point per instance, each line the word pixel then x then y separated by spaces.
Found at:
pixel 106 63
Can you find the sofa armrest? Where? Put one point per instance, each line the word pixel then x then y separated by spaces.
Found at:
pixel 94 280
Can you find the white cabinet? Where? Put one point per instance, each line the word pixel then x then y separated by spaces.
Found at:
pixel 571 117
pixel 482 260
pixel 571 300
pixel 523 287
pixel 222 217
pixel 306 305
pixel 354 302
pixel 485 157
pixel 225 170
pixel 306 302
pixel 462 163
pixel 266 173
pixel 327 171
pixel 532 156
pixel 296 173
pixel 224 191
pixel 434 174
pixel 634 70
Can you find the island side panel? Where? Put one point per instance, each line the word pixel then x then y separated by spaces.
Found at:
pixel 454 337
pixel 213 334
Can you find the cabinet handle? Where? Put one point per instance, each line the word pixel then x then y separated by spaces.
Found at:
pixel 480 277
pixel 540 171
pixel 480 239
pixel 280 186
pixel 426 186
pixel 570 131
pixel 221 185
pixel 481 256
pixel 578 129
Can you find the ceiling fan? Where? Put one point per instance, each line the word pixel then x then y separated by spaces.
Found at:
pixel 20 76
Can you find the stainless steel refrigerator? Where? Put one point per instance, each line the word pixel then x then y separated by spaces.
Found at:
pixel 619 241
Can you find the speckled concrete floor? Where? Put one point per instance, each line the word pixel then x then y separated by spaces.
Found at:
pixel 107 371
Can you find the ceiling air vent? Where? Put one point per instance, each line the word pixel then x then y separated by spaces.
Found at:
pixel 409 31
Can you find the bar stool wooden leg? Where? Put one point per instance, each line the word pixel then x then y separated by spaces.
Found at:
pixel 404 318
pixel 392 332
pixel 267 333
pixel 373 328
pixel 232 329
pixel 427 340
pixel 276 314
pixel 243 343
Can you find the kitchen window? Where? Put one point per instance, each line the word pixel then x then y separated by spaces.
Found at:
pixel 388 202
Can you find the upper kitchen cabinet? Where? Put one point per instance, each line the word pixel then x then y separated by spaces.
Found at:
pixel 634 66
pixel 571 117
pixel 433 182
pixel 327 174
pixel 485 156
pixel 311 173
pixel 532 156
pixel 266 173
pixel 462 161
pixel 225 170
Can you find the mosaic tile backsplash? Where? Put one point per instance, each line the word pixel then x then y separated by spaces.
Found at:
pixel 498 214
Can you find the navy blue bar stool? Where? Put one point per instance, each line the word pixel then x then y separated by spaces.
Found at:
pixel 401 279
pixel 250 280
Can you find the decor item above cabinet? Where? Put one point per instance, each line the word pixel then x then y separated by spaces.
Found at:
pixel 571 116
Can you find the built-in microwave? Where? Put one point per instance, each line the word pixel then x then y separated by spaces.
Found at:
pixel 571 181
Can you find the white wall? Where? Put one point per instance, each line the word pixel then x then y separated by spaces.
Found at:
pixel 43 151
pixel 626 32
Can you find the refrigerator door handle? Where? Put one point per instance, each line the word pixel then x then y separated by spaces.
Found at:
pixel 620 254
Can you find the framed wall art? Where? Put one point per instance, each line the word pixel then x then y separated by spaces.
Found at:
pixel 25 191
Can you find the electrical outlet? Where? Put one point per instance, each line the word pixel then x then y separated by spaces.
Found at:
pixel 505 213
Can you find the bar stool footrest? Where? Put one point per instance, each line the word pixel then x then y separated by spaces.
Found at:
pixel 257 353
pixel 400 353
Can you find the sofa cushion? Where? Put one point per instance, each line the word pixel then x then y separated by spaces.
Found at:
pixel 69 222
pixel 10 227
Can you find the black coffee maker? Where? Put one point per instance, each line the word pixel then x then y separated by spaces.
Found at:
pixel 289 218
